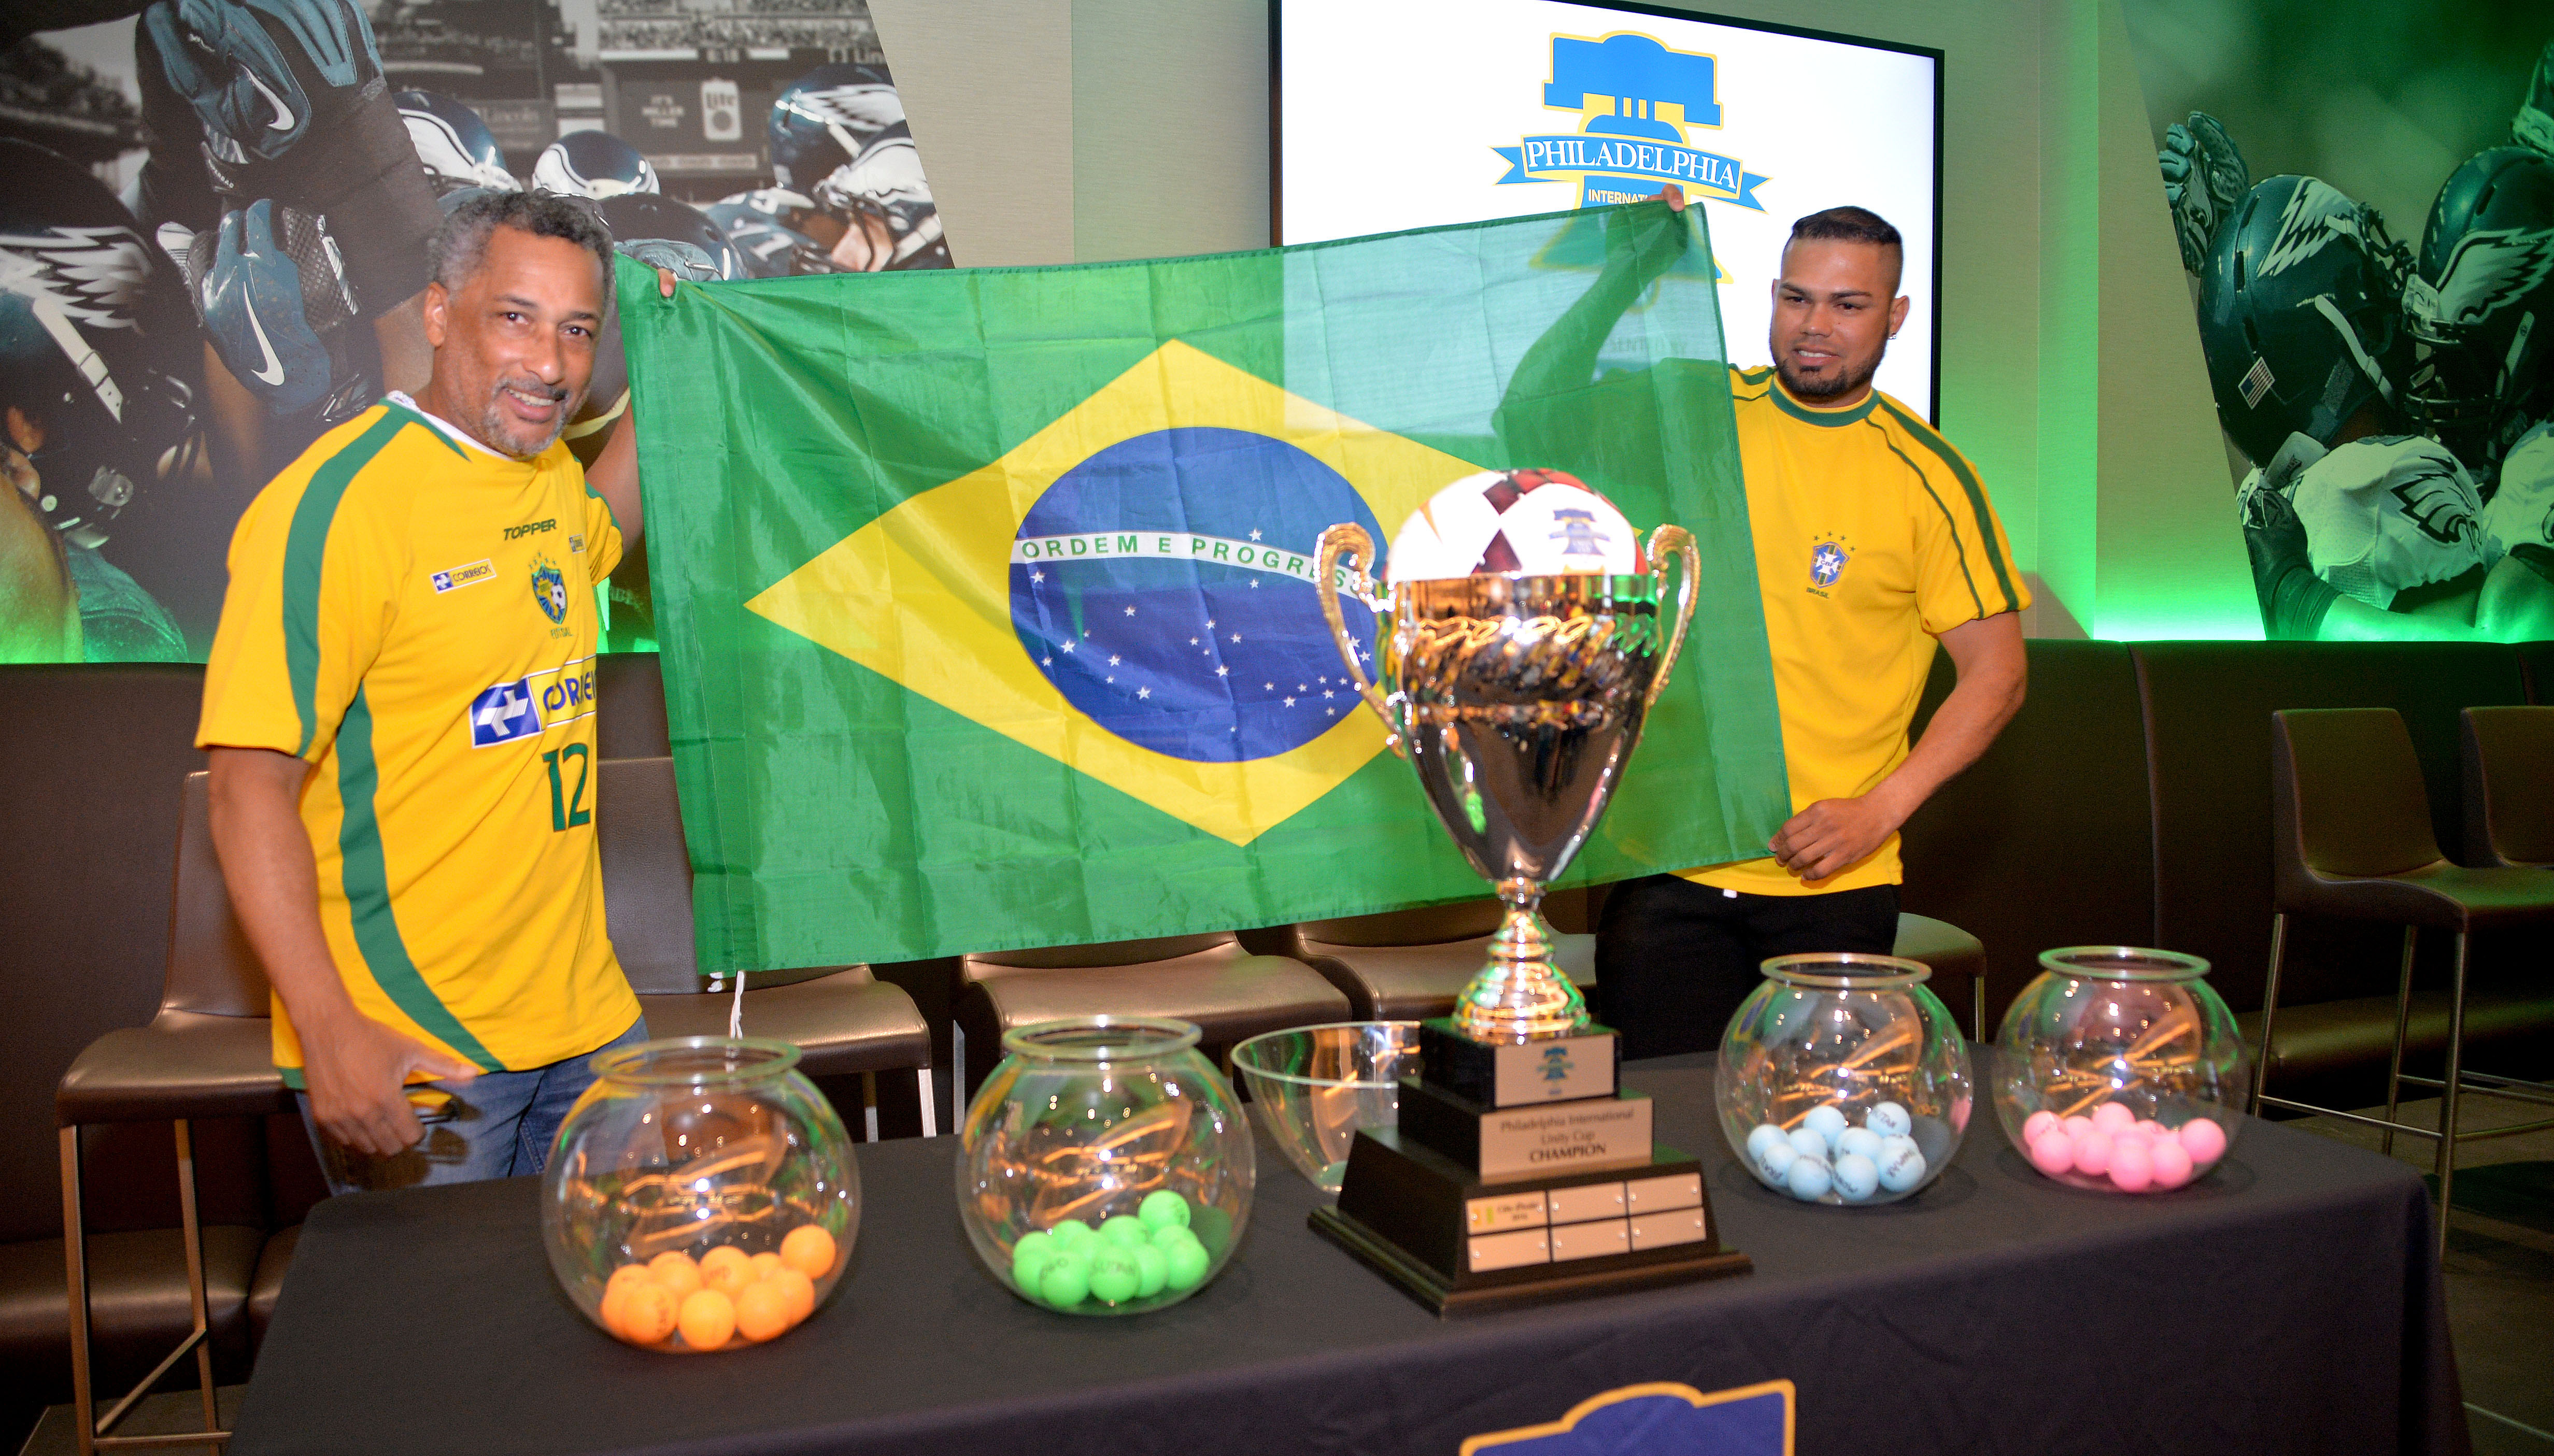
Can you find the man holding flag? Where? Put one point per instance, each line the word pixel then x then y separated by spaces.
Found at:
pixel 399 715
pixel 1874 540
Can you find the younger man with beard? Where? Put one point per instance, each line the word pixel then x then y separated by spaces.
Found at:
pixel 400 713
pixel 1874 540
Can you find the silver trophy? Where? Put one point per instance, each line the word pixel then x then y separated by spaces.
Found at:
pixel 1518 698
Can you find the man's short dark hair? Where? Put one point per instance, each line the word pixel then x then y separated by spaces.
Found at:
pixel 453 254
pixel 1847 225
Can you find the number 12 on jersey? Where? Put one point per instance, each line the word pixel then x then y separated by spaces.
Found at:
pixel 568 810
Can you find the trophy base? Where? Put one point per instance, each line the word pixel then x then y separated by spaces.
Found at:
pixel 1459 1245
pixel 1584 1063
pixel 1502 1143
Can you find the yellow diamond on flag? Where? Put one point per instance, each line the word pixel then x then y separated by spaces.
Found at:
pixel 1129 589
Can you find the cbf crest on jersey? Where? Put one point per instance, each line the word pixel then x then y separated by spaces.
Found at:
pixel 549 588
pixel 1637 101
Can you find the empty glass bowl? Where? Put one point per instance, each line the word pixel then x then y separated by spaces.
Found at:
pixel 1105 1167
pixel 701 1196
pixel 1842 1080
pixel 2121 1070
pixel 1315 1086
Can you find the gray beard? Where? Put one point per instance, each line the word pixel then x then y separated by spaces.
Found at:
pixel 492 428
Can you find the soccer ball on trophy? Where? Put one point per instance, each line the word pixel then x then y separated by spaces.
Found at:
pixel 1543 522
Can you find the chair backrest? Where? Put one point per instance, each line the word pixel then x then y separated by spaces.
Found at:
pixel 1431 925
pixel 646 874
pixel 2509 785
pixel 2345 794
pixel 211 967
pixel 1106 953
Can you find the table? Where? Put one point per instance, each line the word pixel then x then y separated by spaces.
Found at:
pixel 2288 1302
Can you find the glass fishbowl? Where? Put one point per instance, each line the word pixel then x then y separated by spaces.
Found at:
pixel 1105 1167
pixel 702 1195
pixel 2121 1070
pixel 1843 1079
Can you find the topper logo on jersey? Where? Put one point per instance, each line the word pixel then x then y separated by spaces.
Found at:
pixel 1165 587
pixel 1635 100
pixel 532 704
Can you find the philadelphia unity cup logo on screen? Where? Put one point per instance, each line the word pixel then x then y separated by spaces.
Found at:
pixel 1637 100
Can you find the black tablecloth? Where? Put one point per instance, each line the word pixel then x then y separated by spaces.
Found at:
pixel 2288 1302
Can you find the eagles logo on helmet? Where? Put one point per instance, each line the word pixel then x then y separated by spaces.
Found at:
pixel 595 165
pixel 837 137
pixel 95 343
pixel 2300 314
pixel 2481 308
pixel 454 144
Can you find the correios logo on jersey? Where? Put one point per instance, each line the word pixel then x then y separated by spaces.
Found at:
pixel 1635 100
pixel 532 704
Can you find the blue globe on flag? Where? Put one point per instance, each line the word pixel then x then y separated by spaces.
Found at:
pixel 1165 587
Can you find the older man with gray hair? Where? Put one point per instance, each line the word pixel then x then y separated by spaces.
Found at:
pixel 399 715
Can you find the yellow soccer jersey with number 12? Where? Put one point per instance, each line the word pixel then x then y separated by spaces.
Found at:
pixel 1873 537
pixel 414 615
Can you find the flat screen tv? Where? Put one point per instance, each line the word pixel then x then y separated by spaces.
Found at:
pixel 1393 114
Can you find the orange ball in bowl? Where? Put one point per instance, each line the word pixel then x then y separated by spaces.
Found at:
pixel 763 1310
pixel 800 1289
pixel 809 1250
pixel 676 1271
pixel 708 1317
pixel 644 1313
pixel 727 1270
pixel 764 1264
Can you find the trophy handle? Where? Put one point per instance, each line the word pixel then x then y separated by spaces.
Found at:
pixel 1349 538
pixel 1664 539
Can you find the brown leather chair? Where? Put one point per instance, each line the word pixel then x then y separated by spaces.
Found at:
pixel 842 1021
pixel 2510 786
pixel 206 1054
pixel 2350 838
pixel 1954 954
pixel 1209 979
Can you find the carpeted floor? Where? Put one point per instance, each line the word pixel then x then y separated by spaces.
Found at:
pixel 2500 1266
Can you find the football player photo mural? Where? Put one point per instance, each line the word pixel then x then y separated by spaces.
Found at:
pixel 213 217
pixel 2390 392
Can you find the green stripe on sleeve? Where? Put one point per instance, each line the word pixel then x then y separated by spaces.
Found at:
pixel 1959 552
pixel 1940 447
pixel 368 891
pixel 306 553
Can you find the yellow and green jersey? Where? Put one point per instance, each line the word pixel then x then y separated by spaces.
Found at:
pixel 414 615
pixel 1873 537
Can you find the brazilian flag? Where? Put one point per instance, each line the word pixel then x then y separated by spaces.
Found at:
pixel 987 595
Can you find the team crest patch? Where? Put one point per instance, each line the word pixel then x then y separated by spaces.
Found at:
pixel 549 588
pixel 1827 563
pixel 462 576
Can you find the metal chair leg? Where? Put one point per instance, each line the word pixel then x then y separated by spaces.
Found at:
pixel 2269 1010
pixel 2403 1024
pixel 2452 1084
pixel 88 1430
pixel 930 1099
pixel 76 1260
pixel 191 1222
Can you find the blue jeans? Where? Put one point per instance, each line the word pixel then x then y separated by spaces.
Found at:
pixel 498 1124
